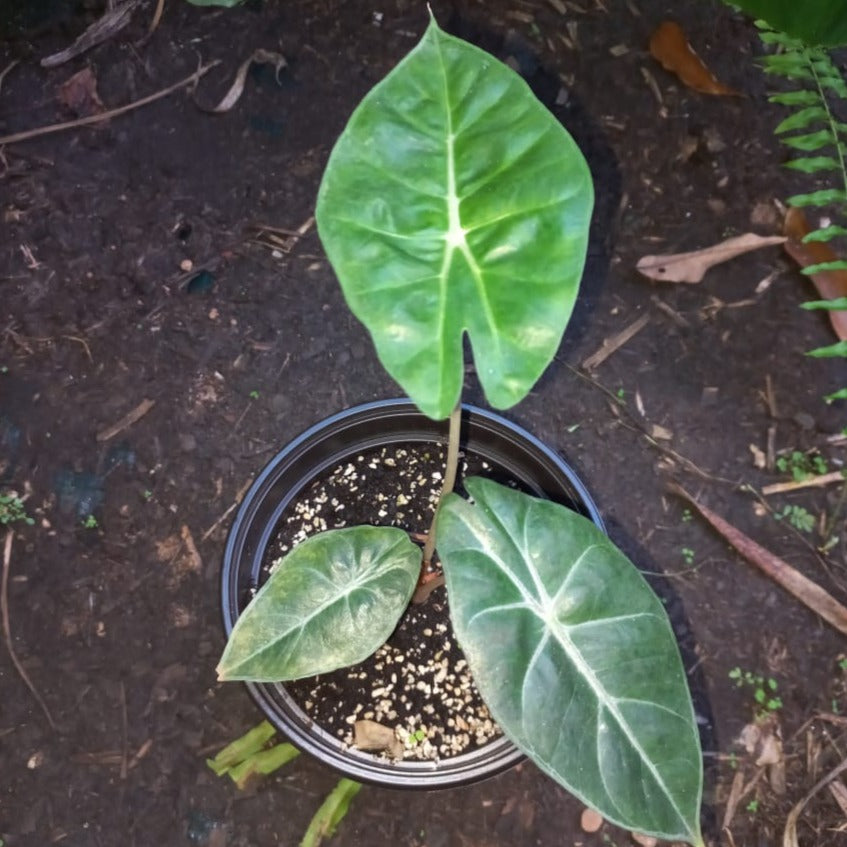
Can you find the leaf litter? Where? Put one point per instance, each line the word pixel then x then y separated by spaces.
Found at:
pixel 670 47
pixel 692 267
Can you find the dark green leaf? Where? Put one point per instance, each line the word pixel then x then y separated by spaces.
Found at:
pixel 452 202
pixel 815 22
pixel 832 351
pixel 574 655
pixel 331 602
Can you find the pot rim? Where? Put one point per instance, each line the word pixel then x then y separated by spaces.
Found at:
pixel 252 521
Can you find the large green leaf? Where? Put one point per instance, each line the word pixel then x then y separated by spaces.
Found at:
pixel 332 601
pixel 816 22
pixel 574 655
pixel 452 202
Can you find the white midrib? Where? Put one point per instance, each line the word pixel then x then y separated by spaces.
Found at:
pixel 544 608
pixel 455 236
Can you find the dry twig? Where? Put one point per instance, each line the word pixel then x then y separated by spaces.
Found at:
pixel 112 113
pixel 126 421
pixel 7 630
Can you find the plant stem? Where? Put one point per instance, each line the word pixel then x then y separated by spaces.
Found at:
pixel 449 478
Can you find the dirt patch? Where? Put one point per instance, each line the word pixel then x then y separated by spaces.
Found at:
pixel 254 344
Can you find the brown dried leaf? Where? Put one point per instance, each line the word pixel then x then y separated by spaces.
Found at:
pixel 260 56
pixel 829 284
pixel 79 94
pixel 692 267
pixel 839 792
pixel 376 737
pixel 671 49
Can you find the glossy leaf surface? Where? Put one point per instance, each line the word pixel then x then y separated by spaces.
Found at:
pixel 574 655
pixel 815 22
pixel 331 602
pixel 453 202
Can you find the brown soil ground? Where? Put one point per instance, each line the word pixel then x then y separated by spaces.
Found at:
pixel 118 625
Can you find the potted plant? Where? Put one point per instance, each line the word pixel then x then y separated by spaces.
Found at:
pixel 454 203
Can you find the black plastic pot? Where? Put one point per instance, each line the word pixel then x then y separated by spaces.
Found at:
pixel 327 444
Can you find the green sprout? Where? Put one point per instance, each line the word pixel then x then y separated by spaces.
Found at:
pixel 254 395
pixel 687 555
pixel 802 466
pixel 12 510
pixel 147 494
pixel 753 807
pixel 764 690
pixel 686 515
pixel 90 522
pixel 800 518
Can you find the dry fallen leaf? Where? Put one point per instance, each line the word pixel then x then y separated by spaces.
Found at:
pixel 79 94
pixel 692 267
pixel 671 49
pixel 260 56
pixel 830 284
pixel 376 737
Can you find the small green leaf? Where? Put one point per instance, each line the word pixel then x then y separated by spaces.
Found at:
pixel 836 265
pixel 836 304
pixel 819 198
pixel 841 394
pixel 802 119
pixel 825 234
pixel 574 656
pixel 815 22
pixel 814 164
pixel 796 98
pixel 455 203
pixel 833 350
pixel 810 141
pixel 242 748
pixel 331 602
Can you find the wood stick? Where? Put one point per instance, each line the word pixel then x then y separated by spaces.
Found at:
pixel 610 345
pixel 126 421
pixel 811 482
pixel 7 630
pixel 806 591
pixel 112 113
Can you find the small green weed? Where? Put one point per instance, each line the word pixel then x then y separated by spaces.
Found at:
pixel 90 522
pixel 764 690
pixel 12 510
pixel 753 807
pixel 798 517
pixel 801 465
pixel 621 395
pixel 254 395
pixel 686 515
pixel 147 495
pixel 687 555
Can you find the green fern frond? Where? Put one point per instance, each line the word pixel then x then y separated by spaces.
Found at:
pixel 819 198
pixel 814 164
pixel 818 81
pixel 796 98
pixel 820 267
pixel 811 141
pixel 825 234
pixel 839 349
pixel 836 304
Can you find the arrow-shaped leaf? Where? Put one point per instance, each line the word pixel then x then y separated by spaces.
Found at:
pixel 574 655
pixel 452 202
pixel 332 601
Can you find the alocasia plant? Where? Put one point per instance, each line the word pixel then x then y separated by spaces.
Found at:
pixel 454 203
